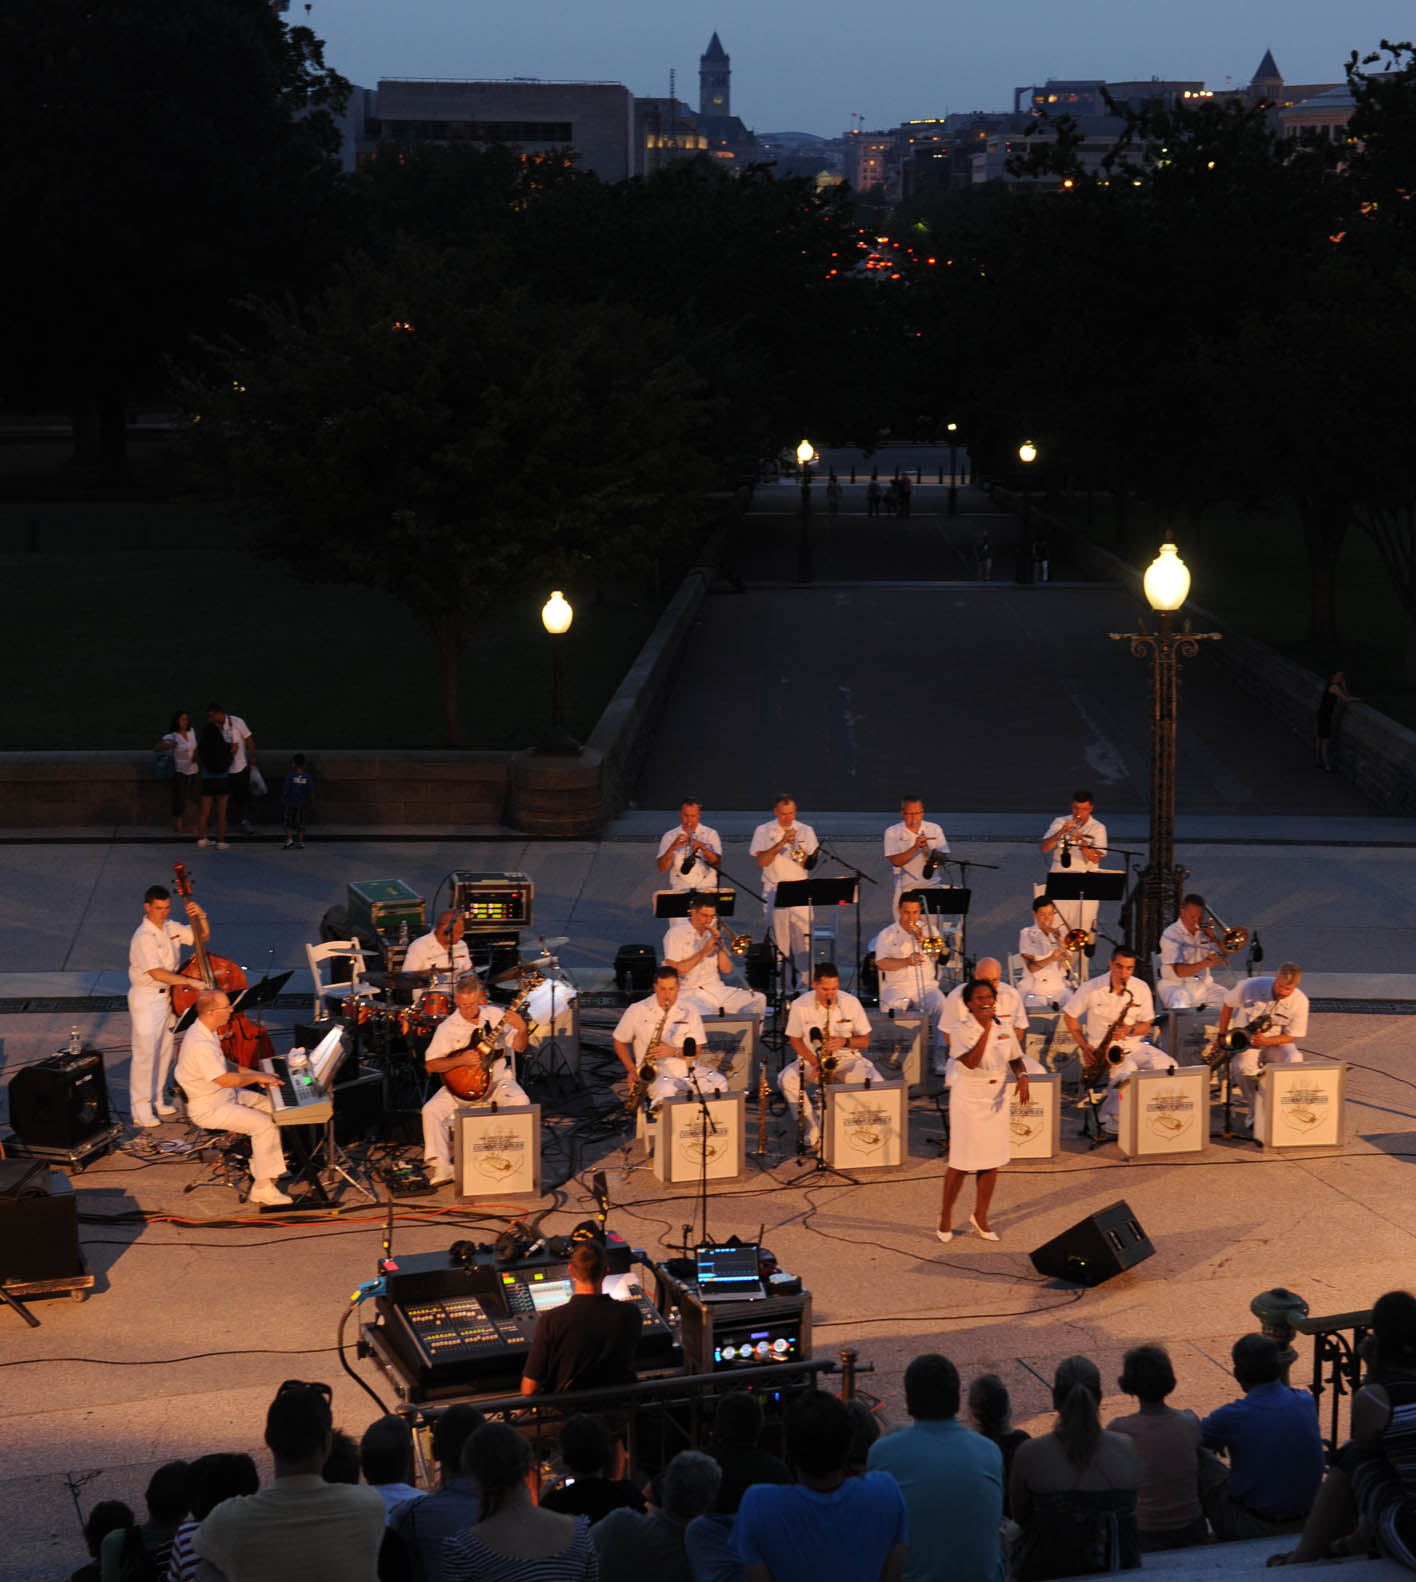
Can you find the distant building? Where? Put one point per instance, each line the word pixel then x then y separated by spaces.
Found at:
pixel 665 130
pixel 871 162
pixel 1325 113
pixel 726 138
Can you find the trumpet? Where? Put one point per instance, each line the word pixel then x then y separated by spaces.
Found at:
pixel 794 851
pixel 734 944
pixel 933 862
pixel 1227 939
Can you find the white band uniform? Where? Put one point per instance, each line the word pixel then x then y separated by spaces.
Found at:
pixel 702 875
pixel 900 990
pixel 980 1136
pixel 910 875
pixel 225 1109
pixel 673 1075
pixel 453 1033
pixel 1048 985
pixel 790 925
pixel 1096 1007
pixel 1248 1000
pixel 1077 914
pixel 1179 945
pixel 150 1011
pixel 847 1020
pixel 701 986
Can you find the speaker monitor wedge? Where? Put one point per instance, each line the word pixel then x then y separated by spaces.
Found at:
pixel 58 1102
pixel 1095 1248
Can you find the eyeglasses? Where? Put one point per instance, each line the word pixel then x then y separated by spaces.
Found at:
pixel 300 1384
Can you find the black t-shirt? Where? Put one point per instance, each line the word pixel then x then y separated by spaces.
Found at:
pixel 744 1465
pixel 593 1497
pixel 587 1344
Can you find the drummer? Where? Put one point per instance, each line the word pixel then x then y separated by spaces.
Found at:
pixel 443 953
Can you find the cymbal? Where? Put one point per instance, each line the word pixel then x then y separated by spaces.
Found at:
pixel 380 980
pixel 522 969
pixel 555 942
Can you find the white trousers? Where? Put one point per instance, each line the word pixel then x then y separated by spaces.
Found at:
pixel 723 999
pixel 904 1001
pixel 438 1112
pixel 853 1067
pixel 672 1080
pixel 1140 1057
pixel 246 1111
pixel 1045 990
pixel 1191 994
pixel 1245 1069
pixel 791 932
pixel 153 1051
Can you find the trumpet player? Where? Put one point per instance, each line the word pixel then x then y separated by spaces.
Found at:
pixel 657 1040
pixel 1111 1018
pixel 1076 843
pixel 690 853
pixel 828 1030
pixel 701 951
pixel 1188 950
pixel 1272 1013
pixel 907 956
pixel 916 849
pixel 1043 947
pixel 786 850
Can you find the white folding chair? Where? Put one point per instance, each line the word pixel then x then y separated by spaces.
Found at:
pixel 351 951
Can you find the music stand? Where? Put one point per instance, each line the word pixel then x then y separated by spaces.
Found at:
pixel 1101 884
pixel 675 903
pixel 811 893
pixel 945 900
pixel 253 997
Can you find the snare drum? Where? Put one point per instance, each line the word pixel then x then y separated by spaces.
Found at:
pixel 360 1010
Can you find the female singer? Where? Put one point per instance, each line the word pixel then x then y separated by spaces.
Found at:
pixel 984 1050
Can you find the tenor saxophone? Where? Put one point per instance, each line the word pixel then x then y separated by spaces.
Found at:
pixel 647 1069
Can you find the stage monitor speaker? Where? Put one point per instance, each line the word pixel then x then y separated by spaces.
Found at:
pixel 1095 1248
pixel 634 968
pixel 60 1101
pixel 39 1236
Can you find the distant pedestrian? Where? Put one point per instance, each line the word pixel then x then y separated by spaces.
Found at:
pixel 181 742
pixel 983 556
pixel 295 798
pixel 906 488
pixel 1335 694
pixel 237 736
pixel 892 498
pixel 873 496
pixel 1040 559
pixel 833 494
pixel 214 761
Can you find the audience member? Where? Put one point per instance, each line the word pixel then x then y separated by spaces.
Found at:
pixel 298 1528
pixel 211 1479
pixel 827 1524
pixel 1373 1477
pixel 342 1462
pixel 1167 1441
pixel 386 1460
pixel 952 1481
pixel 736 1447
pixel 865 1430
pixel 632 1546
pixel 1074 1490
pixel 421 1524
pixel 144 1551
pixel 106 1517
pixel 595 1484
pixel 513 1539
pixel 1275 1449
pixel 991 1413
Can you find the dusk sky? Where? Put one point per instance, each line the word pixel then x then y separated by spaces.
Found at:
pixel 808 65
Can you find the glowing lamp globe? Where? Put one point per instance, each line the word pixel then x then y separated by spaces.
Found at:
pixel 556 615
pixel 1167 580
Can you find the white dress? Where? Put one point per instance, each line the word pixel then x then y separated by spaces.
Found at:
pixel 979 1123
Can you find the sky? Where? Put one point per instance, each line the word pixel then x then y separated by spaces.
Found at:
pixel 810 65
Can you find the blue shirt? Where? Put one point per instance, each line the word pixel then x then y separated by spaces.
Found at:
pixel 804 1536
pixel 1275 1449
pixel 952 1481
pixel 298 785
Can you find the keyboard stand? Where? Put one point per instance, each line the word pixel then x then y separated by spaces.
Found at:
pixel 319 1163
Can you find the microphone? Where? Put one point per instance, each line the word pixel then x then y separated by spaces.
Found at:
pixel 1256 950
pixel 690 1049
pixel 1066 852
pixel 689 859
pixel 815 1036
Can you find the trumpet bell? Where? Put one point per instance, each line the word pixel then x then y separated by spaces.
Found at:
pixel 1235 939
pixel 1234 1042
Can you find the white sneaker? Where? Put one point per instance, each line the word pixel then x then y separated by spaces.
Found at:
pixel 223 845
pixel 167 1109
pixel 268 1193
pixel 145 1118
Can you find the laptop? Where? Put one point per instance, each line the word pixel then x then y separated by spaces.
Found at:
pixel 729 1274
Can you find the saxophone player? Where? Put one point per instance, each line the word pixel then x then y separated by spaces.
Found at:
pixel 786 850
pixel 1076 843
pixel 825 1027
pixel 1273 1012
pixel 1110 1018
pixel 690 854
pixel 652 1042
pixel 909 964
pixel 916 849
pixel 696 947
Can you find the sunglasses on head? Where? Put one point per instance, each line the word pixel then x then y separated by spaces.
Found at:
pixel 301 1384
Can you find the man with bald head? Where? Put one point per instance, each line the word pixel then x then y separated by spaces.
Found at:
pixel 1009 1010
pixel 444 951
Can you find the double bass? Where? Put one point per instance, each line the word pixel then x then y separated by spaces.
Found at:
pixel 241 1039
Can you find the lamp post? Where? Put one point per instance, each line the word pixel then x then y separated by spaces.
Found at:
pixel 804 453
pixel 556 616
pixel 1027 454
pixel 953 429
pixel 1156 899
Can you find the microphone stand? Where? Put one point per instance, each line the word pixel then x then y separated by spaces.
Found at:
pixel 860 873
pixel 710 1129
pixel 816 1159
pixel 963 864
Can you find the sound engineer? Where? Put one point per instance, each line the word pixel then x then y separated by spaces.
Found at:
pixel 589 1342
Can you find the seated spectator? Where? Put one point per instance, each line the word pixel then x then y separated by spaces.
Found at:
pixel 827 1524
pixel 1275 1449
pixel 632 1546
pixel 1167 1441
pixel 593 1486
pixel 1074 1490
pixel 210 1480
pixel 952 1481
pixel 145 1550
pixel 298 1528
pixel 1373 1477
pixel 865 1430
pixel 342 1463
pixel 106 1517
pixel 513 1537
pixel 991 1414
pixel 386 1460
pixel 736 1447
pixel 420 1524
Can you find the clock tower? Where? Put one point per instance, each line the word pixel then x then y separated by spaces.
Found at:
pixel 714 80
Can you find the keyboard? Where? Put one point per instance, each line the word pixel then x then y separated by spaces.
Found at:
pixel 298 1101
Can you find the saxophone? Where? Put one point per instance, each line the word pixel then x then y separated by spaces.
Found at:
pixel 1107 1053
pixel 828 1063
pixel 762 1098
pixel 647 1070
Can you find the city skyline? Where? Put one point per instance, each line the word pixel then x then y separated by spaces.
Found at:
pixel 812 68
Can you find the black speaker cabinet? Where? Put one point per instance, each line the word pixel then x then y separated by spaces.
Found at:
pixel 39 1235
pixel 1095 1248
pixel 60 1101
pixel 634 969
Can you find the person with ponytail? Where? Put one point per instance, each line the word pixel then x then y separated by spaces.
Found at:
pixel 991 1413
pixel 1073 1491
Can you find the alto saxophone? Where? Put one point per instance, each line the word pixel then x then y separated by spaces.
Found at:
pixel 647 1069
pixel 828 1062
pixel 1109 1054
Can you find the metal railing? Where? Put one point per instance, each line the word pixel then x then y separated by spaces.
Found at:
pixel 1337 1359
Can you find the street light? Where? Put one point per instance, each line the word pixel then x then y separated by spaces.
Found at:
pixel 556 616
pixel 953 429
pixel 1027 454
pixel 804 454
pixel 1160 884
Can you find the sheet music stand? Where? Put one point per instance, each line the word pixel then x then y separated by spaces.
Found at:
pixel 1104 884
pixel 811 893
pixel 674 903
pixel 251 998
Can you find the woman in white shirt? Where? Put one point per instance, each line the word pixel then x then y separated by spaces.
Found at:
pixel 181 742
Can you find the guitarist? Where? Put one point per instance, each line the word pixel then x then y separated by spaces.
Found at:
pixel 452 1047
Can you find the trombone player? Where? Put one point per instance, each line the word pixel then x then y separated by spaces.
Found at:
pixel 1271 1013
pixel 702 953
pixel 1043 945
pixel 1188 950
pixel 907 957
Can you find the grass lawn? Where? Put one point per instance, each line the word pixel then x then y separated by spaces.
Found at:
pixel 1251 570
pixel 119 611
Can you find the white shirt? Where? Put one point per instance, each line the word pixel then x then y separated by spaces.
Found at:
pixel 199 1063
pixel 636 1026
pixel 896 941
pixel 1037 943
pixel 155 946
pixel 1095 1007
pixel 428 951
pixel 1008 1007
pixel 1252 997
pixel 184 750
pixel 848 1018
pixel 456 1032
pixel 702 875
pixel 1002 1048
pixel 683 941
pixel 1093 832
pixel 900 838
pixel 235 730
pixel 782 868
pixel 1179 944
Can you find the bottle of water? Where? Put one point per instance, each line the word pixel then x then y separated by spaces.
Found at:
pixel 76 1044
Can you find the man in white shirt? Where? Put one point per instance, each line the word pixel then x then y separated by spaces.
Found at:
pixel 1273 1013
pixel 786 850
pixel 1121 1000
pixel 1187 952
pixel 693 844
pixel 443 952
pixel 1044 985
pixel 911 846
pixel 908 977
pixel 153 957
pixel 219 1097
pixel 243 748
pixel 450 1049
pixel 825 1025
pixel 694 946
pixel 1076 843
pixel 658 1030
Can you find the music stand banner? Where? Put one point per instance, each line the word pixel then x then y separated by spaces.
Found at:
pixel 683 1139
pixel 1035 1128
pixel 865 1126
pixel 497 1153
pixel 1301 1105
pixel 1164 1112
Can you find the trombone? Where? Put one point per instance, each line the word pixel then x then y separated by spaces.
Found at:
pixel 1225 940
pixel 734 944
